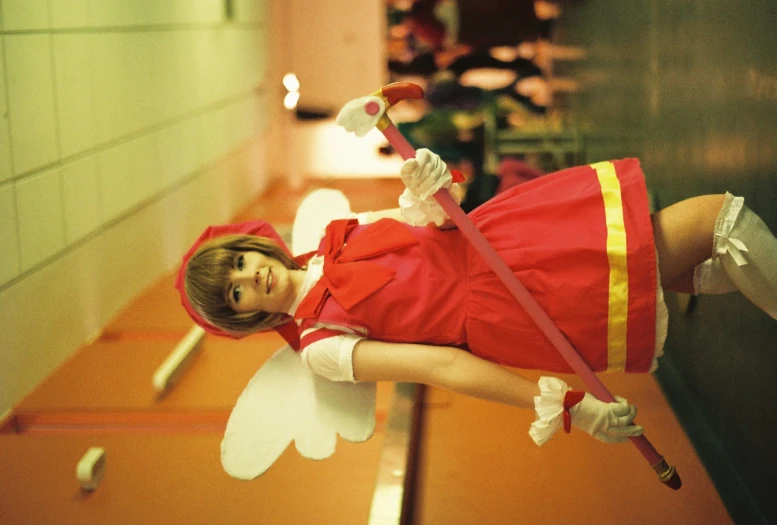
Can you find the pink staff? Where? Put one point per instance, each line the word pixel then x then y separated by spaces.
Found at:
pixel 395 93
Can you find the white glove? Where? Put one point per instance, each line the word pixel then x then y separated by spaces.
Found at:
pixel 419 212
pixel 425 174
pixel 608 422
pixel 354 118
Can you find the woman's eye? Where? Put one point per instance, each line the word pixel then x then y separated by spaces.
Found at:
pixel 236 293
pixel 240 262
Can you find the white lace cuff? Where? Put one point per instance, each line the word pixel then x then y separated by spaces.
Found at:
pixel 549 406
pixel 419 212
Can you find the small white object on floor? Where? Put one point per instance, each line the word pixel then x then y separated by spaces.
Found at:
pixel 91 468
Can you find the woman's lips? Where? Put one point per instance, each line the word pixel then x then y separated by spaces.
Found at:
pixel 269 280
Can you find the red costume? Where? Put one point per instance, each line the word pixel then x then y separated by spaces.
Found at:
pixel 582 244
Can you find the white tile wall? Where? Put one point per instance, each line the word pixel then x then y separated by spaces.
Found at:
pixel 135 13
pixel 81 197
pixel 179 147
pixel 40 215
pixel 249 42
pixel 39 14
pixel 203 12
pixel 73 66
pixel 165 74
pixel 129 174
pixel 184 54
pixel 123 89
pixel 206 75
pixel 5 144
pixel 9 238
pixel 69 13
pixel 207 151
pixel 119 115
pixel 108 13
pixel 25 14
pixel 250 11
pixel 31 101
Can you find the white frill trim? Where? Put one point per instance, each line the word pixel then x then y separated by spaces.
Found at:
pixel 662 320
pixel 419 212
pixel 549 406
pixel 709 277
pixel 723 243
pixel 727 217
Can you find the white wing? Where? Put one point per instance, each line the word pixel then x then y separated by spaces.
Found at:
pixel 285 401
pixel 354 117
pixel 316 210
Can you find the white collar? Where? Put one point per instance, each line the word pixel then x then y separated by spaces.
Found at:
pixel 314 273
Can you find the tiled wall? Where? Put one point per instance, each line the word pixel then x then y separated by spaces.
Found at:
pixel 115 120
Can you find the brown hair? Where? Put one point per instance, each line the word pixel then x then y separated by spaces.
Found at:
pixel 207 281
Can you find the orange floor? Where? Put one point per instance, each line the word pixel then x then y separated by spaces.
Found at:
pixel 478 460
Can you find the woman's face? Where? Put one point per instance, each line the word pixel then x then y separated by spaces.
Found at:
pixel 259 282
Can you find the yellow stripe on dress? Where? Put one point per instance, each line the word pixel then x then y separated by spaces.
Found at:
pixel 618 310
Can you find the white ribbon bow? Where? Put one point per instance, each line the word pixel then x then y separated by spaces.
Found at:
pixel 733 246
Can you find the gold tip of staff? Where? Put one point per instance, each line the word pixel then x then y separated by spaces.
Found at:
pixel 667 474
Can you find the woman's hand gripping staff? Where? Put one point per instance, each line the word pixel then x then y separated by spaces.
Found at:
pixel 391 95
pixel 558 406
pixel 424 176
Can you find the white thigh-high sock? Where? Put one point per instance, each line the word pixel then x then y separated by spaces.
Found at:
pixel 710 277
pixel 744 257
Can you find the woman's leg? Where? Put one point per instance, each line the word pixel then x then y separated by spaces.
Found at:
pixel 684 234
pixel 742 249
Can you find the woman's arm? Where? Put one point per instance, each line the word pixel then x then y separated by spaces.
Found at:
pixel 462 372
pixel 445 367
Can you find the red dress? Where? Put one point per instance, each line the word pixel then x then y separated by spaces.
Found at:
pixel 580 240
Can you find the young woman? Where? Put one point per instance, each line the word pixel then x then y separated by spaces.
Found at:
pixel 412 301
